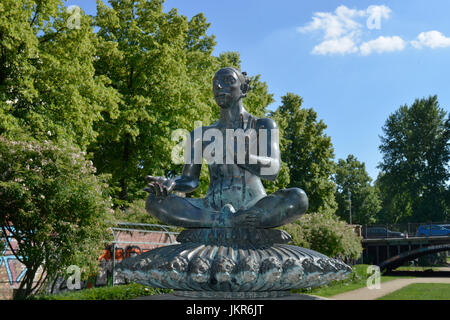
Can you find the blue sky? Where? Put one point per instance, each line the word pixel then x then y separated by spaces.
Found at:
pixel 354 62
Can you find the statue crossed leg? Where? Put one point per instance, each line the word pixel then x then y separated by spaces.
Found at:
pixel 276 209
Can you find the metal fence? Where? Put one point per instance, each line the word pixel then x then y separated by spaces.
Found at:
pixel 130 227
pixel 406 230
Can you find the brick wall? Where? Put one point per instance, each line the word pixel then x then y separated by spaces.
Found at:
pixel 11 270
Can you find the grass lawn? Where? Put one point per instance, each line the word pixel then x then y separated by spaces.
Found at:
pixel 421 291
pixel 410 268
pixel 337 288
pixel 356 280
pixel 120 292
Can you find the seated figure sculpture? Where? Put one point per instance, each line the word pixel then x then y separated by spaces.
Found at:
pixel 236 196
pixel 229 248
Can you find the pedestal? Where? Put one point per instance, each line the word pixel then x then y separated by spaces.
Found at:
pixel 237 263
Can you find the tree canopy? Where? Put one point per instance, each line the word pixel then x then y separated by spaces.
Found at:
pixel 307 152
pixel 162 66
pixel 158 62
pixel 48 85
pixel 415 168
pixel 54 206
pixel 351 176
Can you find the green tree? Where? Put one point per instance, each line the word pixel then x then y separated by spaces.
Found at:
pixel 307 152
pixel 54 206
pixel 351 176
pixel 159 63
pixel 163 71
pixel 48 86
pixel 415 167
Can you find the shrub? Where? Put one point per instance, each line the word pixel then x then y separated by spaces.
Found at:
pixel 54 206
pixel 327 234
pixel 135 212
pixel 120 292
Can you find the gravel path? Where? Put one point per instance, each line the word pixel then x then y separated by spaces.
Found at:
pixel 385 288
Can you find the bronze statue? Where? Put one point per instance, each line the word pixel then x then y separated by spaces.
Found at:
pixel 236 196
pixel 229 249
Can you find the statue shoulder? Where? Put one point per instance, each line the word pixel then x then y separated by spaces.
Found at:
pixel 203 129
pixel 266 123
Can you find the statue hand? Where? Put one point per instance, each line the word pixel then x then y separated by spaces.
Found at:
pixel 159 186
pixel 246 218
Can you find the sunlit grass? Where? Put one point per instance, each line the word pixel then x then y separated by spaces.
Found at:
pixel 356 280
pixel 421 291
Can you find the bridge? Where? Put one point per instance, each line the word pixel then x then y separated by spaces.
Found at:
pixel 390 253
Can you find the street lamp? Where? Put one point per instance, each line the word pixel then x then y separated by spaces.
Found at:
pixel 350 205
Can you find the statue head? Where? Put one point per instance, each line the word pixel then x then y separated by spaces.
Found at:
pixel 229 86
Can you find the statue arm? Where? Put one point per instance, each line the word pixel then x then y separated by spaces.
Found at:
pixel 266 166
pixel 189 179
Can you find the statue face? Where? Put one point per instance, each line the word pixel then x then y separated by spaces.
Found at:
pixel 226 88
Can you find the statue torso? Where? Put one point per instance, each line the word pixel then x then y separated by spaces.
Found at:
pixel 232 184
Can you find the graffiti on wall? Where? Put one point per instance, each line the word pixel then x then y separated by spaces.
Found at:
pixel 9 263
pixel 105 276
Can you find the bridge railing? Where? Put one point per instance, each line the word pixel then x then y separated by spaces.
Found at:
pixel 406 230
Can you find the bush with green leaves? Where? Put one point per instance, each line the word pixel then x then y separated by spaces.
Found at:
pixel 120 292
pixel 54 206
pixel 327 234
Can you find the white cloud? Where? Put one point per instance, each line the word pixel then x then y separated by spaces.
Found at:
pixel 336 46
pixel 376 13
pixel 334 25
pixel 433 39
pixel 341 29
pixel 383 44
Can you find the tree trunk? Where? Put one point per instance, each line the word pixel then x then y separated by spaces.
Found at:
pixel 26 285
pixel 2 62
pixel 123 180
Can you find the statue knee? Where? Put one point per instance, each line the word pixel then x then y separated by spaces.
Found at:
pixel 149 202
pixel 298 199
pixel 150 206
pixel 158 210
